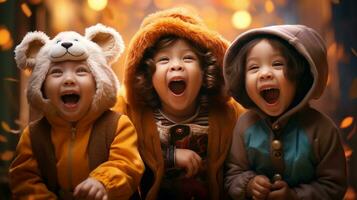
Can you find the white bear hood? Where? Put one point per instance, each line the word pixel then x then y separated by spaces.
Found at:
pixel 99 47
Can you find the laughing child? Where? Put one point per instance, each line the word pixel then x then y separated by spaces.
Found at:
pixel 175 98
pixel 282 148
pixel 79 149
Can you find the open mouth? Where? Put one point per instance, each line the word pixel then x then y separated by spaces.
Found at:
pixel 177 86
pixel 270 95
pixel 70 100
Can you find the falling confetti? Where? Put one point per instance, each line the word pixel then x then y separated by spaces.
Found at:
pixel 26 10
pixel 11 79
pixel 346 122
pixel 5 126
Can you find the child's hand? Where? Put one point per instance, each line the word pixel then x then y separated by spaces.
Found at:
pixel 189 160
pixel 259 187
pixel 281 190
pixel 90 189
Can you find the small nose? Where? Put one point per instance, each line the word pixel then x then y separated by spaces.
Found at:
pixel 69 80
pixel 176 66
pixel 67 44
pixel 266 74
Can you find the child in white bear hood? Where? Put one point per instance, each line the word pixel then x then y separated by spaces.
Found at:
pixel 79 148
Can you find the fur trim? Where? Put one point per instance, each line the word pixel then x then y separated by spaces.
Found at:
pixel 178 21
pixel 27 50
pixel 108 39
pixel 99 48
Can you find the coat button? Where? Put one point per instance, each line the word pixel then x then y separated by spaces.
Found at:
pixel 276 145
pixel 277 177
pixel 276 127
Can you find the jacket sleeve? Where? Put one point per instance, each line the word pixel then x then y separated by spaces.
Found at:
pixel 122 172
pixel 237 173
pixel 331 178
pixel 25 178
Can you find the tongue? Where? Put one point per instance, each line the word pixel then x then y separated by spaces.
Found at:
pixel 271 95
pixel 177 87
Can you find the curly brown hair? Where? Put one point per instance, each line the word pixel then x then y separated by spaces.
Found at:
pixel 212 82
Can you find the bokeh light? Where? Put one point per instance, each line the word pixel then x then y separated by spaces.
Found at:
pixel 97 5
pixel 4 36
pixel 26 10
pixel 346 122
pixel 241 19
pixel 269 6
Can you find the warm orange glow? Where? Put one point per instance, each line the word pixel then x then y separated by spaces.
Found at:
pixel 27 73
pixel 97 5
pixel 2 1
pixel 3 138
pixel 8 45
pixel 348 151
pixel 269 6
pixel 335 51
pixel 346 122
pixel 210 15
pixel 26 10
pixel 7 155
pixel 162 4
pixel 241 19
pixel 350 194
pixel 59 21
pixel 127 2
pixel 236 4
pixel 4 36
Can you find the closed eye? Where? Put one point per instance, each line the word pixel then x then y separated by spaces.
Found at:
pixel 82 71
pixel 252 68
pixel 163 60
pixel 278 64
pixel 55 72
pixel 189 58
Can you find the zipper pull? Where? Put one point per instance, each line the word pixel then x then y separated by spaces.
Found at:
pixel 73 132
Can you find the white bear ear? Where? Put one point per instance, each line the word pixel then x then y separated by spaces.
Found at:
pixel 27 50
pixel 108 39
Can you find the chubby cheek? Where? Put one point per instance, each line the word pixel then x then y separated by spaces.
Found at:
pixel 250 88
pixel 48 89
